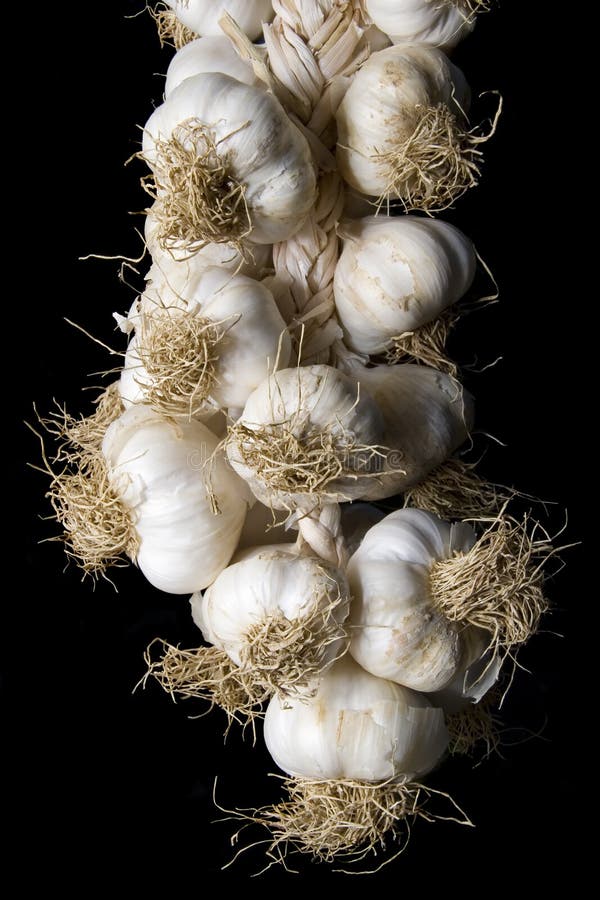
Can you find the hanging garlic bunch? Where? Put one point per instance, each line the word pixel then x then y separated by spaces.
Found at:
pixel 314 435
pixel 206 352
pixel 352 753
pixel 227 165
pixel 403 132
pixel 396 275
pixel 202 16
pixel 434 23
pixel 420 588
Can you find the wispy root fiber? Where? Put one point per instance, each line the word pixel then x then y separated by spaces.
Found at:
pixel 426 344
pixel 437 162
pixel 206 673
pixel 498 584
pixel 179 352
pixel 290 457
pixel 286 655
pixel 197 201
pixel 171 32
pixel 454 491
pixel 474 726
pixel 344 819
pixel 98 528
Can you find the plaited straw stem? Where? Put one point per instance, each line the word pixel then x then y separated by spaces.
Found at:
pixel 308 44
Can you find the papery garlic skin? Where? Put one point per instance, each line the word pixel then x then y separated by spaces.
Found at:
pixel 264 151
pixel 379 109
pixel 202 16
pixel 429 22
pixel 477 674
pixel 397 633
pixel 308 402
pixel 158 471
pixel 356 727
pixel 269 583
pixel 397 274
pixel 255 337
pixel 213 53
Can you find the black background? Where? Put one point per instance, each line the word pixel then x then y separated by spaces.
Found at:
pixel 116 779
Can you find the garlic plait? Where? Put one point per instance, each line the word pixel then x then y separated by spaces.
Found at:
pixel 202 16
pixel 206 352
pixel 352 753
pixel 403 132
pixel 227 164
pixel 435 23
pixel 395 275
pixel 278 615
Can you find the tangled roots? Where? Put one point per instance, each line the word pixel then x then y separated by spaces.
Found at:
pixel 454 491
pixel 344 818
pixel 475 725
pixel 206 673
pixel 436 163
pixel 197 201
pixel 171 32
pixel 426 344
pixel 77 436
pixel 498 584
pixel 178 353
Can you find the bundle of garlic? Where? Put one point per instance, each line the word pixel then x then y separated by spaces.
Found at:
pixel 285 372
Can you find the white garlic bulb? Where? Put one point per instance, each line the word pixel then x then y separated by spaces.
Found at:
pixel 228 164
pixel 210 355
pixel 202 16
pixel 401 128
pixel 477 673
pixel 275 611
pixel 306 434
pixel 213 53
pixel 396 274
pixel 187 518
pixel 356 727
pixel 397 632
pixel 435 23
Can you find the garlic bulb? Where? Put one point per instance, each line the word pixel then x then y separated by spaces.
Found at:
pixel 213 53
pixel 202 16
pixel 397 274
pixel 306 434
pixel 227 164
pixel 209 355
pixel 476 675
pixel 397 632
pixel 277 614
pixel 187 518
pixel 402 132
pixel 435 23
pixel 356 727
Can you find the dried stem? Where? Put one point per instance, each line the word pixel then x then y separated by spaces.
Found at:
pixel 197 200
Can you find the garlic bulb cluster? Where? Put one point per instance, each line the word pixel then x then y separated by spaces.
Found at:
pixel 402 133
pixel 228 164
pixel 187 516
pixel 213 53
pixel 206 352
pixel 395 275
pixel 277 614
pixel 434 23
pixel 356 727
pixel 202 16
